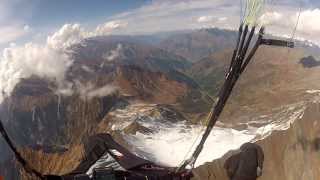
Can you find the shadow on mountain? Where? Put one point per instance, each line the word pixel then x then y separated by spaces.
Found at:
pixel 309 62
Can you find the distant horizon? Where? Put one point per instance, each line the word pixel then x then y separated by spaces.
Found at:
pixel 38 19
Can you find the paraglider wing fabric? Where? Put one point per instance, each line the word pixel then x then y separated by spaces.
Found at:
pixel 98 145
pixel 254 10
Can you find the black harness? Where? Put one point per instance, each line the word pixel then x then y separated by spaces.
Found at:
pixel 149 171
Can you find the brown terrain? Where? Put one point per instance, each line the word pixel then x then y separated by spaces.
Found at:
pixel 291 154
pixel 49 128
pixel 52 126
pixel 274 78
pixel 199 44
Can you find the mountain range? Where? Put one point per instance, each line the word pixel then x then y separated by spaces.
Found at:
pixel 168 78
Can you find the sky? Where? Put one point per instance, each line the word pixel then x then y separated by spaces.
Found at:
pixel 35 34
pixel 23 21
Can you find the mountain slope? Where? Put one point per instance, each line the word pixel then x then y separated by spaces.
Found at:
pixel 275 77
pixel 49 122
pixel 289 154
pixel 209 72
pixel 144 88
pixel 199 44
pixel 127 51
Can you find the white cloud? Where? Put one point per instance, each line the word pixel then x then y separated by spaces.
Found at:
pixel 31 59
pixel 157 16
pixel 66 36
pixel 171 15
pixel 26 28
pixel 280 17
pixel 205 19
pixel 73 33
pixel 271 18
pixel 46 61
pixel 309 21
pixel 49 60
pixel 113 54
pixel 102 91
pixel 284 25
pixel 308 27
pixel 210 21
pixel 88 90
pixel 223 19
pixel 109 27
pixel 87 69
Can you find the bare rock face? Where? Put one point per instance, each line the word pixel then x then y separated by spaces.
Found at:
pixel 148 75
pixel 52 163
pixel 43 117
pixel 40 118
pixel 291 154
pixel 135 127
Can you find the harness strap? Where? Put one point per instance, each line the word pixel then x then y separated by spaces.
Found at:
pixel 276 42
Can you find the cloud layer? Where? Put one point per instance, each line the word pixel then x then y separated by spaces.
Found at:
pixel 31 59
pixel 280 17
pixel 284 24
pixel 169 15
pixel 160 15
pixel 49 60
